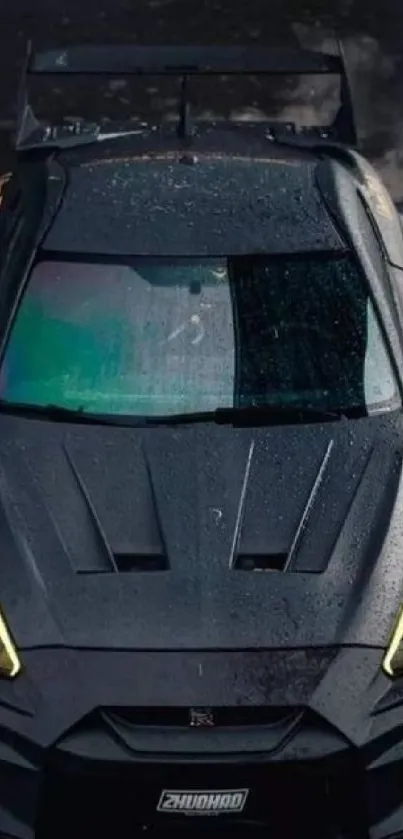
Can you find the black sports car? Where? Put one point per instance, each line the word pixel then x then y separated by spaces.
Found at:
pixel 201 497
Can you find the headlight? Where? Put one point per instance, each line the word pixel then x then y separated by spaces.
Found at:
pixel 10 664
pixel 393 659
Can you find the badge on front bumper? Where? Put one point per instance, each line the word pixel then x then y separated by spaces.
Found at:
pixel 202 802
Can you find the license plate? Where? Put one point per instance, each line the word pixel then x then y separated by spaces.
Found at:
pixel 202 802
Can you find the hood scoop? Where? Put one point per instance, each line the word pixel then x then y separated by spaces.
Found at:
pixel 261 562
pixel 129 562
pixel 122 555
pixel 236 539
pixel 203 504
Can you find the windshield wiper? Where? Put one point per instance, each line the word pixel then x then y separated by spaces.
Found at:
pixel 56 413
pixel 248 415
pixel 251 415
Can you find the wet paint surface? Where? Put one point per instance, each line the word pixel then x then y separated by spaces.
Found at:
pixel 215 208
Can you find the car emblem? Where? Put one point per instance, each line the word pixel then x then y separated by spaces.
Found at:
pixel 201 717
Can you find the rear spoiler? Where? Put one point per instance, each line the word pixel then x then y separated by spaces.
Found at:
pixel 182 62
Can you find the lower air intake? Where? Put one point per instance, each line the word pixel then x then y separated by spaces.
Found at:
pixel 320 799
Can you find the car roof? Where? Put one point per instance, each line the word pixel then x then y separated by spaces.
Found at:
pixel 201 203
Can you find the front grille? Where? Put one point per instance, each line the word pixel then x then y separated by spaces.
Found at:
pixel 222 717
pixel 320 799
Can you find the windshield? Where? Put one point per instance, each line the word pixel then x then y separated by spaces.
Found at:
pixel 159 337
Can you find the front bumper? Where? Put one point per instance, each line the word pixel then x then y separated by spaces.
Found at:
pixel 72 795
pixel 68 769
pixel 286 800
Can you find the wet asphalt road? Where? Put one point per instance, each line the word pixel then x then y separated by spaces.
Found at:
pixel 372 32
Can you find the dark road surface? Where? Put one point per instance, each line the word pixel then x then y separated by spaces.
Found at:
pixel 372 32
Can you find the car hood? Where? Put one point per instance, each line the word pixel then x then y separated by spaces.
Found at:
pixel 147 539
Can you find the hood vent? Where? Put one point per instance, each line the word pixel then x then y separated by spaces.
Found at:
pixel 261 562
pixel 131 562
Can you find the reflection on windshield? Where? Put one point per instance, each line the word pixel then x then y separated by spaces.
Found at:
pixel 160 336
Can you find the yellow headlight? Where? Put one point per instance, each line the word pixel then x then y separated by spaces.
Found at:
pixel 10 664
pixel 4 179
pixel 393 659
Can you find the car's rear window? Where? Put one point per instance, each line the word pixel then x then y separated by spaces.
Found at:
pixel 157 336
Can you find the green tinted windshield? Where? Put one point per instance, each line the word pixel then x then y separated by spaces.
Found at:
pixel 158 336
